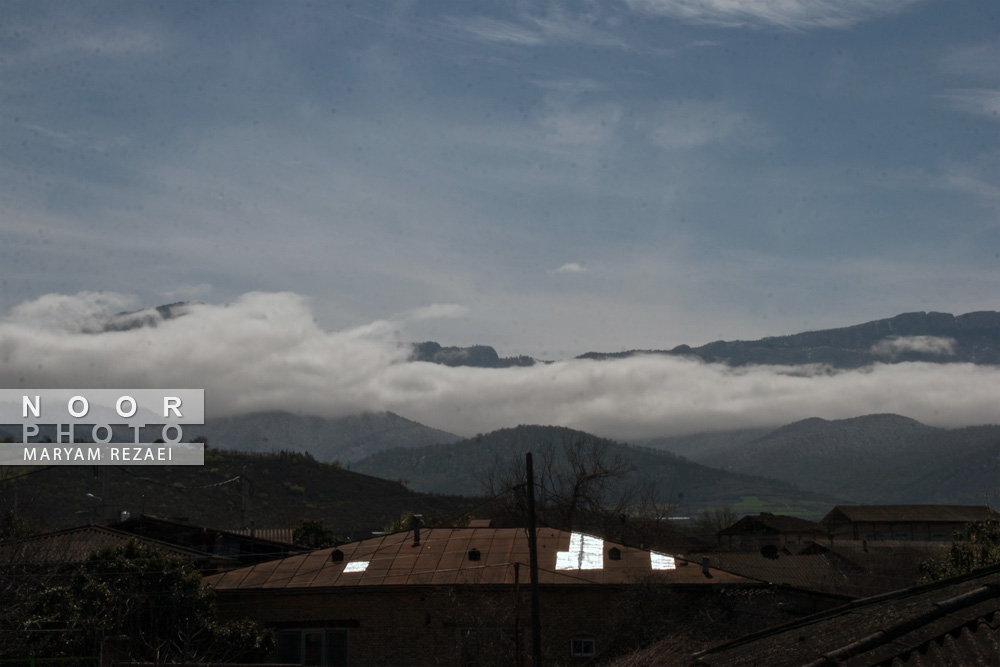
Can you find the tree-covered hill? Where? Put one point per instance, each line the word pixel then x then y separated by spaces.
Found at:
pixel 875 459
pixel 232 490
pixel 464 468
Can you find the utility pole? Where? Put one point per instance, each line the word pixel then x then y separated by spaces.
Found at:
pixel 536 622
pixel 517 615
pixel 244 490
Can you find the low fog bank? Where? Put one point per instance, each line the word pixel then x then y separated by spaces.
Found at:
pixel 266 352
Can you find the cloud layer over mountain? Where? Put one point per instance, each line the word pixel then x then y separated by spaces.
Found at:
pixel 265 351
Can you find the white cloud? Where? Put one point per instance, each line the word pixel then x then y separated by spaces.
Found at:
pixel 265 351
pixel 974 62
pixel 588 125
pixel 555 26
pixel 495 30
pixel 571 87
pixel 78 36
pixel 896 345
pixel 438 311
pixel 979 101
pixel 572 267
pixel 82 313
pixel 789 14
pixel 686 124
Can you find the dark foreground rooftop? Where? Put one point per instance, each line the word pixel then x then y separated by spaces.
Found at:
pixel 952 622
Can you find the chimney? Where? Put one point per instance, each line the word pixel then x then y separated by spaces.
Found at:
pixel 417 518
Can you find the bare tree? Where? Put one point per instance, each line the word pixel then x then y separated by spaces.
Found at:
pixel 583 484
pixel 710 522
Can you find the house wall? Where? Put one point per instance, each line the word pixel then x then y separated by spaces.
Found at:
pixel 442 625
pixel 754 540
pixel 876 530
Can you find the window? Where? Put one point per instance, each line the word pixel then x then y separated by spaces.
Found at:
pixel 582 648
pixel 314 646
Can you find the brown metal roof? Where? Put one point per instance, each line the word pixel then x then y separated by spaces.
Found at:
pixel 909 513
pixel 442 558
pixel 813 572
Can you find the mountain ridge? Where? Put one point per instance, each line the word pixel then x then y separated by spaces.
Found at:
pixel 928 336
pixel 460 468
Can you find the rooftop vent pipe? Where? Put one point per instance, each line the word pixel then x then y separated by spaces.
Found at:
pixel 417 518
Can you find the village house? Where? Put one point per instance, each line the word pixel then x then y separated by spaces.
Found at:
pixel 243 548
pixel 902 522
pixel 460 596
pixel 62 551
pixel 755 531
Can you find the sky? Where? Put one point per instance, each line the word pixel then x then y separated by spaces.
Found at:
pixel 547 178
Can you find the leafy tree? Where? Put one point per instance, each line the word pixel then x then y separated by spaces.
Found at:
pixel 12 527
pixel 977 545
pixel 315 535
pixel 136 603
pixel 407 521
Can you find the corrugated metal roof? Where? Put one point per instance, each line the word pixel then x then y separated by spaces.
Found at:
pixel 814 572
pixel 442 558
pixel 951 622
pixel 974 645
pixel 909 513
pixel 863 553
pixel 281 535
pixel 137 524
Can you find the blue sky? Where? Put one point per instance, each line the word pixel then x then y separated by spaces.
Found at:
pixel 330 179
pixel 573 176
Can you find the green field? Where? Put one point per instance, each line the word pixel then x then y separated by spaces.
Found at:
pixel 805 509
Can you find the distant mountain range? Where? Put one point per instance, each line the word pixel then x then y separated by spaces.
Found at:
pixel 933 337
pixel 875 458
pixel 463 468
pixel 920 336
pixel 346 439
pixel 482 356
pixel 869 459
pixel 801 468
pixel 148 317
